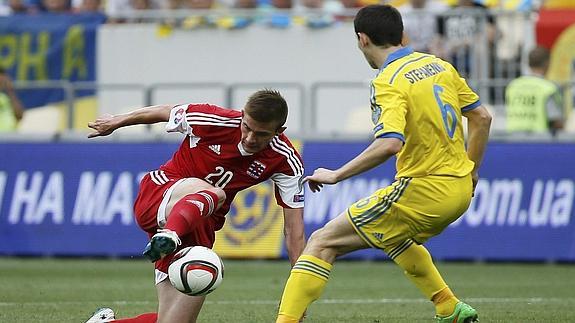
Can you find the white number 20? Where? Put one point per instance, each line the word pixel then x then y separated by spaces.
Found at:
pixel 225 176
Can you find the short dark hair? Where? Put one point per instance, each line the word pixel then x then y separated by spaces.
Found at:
pixel 381 23
pixel 267 106
pixel 539 57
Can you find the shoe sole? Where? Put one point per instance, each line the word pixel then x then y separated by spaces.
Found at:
pixel 159 247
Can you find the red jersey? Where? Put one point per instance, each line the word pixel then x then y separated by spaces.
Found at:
pixel 212 151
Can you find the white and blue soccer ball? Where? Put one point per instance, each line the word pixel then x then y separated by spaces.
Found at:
pixel 196 271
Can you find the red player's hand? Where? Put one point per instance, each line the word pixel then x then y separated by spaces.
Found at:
pixel 102 126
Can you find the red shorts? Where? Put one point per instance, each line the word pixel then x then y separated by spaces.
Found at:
pixel 149 211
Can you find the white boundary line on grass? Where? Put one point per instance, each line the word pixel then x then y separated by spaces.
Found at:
pixel 491 300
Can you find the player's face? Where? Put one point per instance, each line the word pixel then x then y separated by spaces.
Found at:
pixel 257 135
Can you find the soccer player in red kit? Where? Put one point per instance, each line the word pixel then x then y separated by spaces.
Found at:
pixel 185 201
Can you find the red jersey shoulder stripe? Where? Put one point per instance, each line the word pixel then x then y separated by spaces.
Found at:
pixel 207 119
pixel 211 116
pixel 285 150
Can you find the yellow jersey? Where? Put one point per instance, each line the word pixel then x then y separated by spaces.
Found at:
pixel 419 99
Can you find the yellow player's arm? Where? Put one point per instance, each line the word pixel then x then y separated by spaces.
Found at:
pixel 479 122
pixel 378 152
pixel 105 125
pixel 294 233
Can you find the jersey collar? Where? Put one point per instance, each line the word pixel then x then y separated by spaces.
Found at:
pixel 243 152
pixel 402 52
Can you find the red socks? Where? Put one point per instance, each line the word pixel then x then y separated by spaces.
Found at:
pixel 143 318
pixel 186 212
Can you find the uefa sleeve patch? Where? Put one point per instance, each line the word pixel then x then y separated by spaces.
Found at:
pixel 298 198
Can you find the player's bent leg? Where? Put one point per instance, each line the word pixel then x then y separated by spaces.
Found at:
pixel 194 185
pixel 418 267
pixel 187 202
pixel 175 306
pixel 312 269
pixel 336 238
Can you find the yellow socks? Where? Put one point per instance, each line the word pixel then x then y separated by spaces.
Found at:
pixel 444 302
pixel 305 284
pixel 419 268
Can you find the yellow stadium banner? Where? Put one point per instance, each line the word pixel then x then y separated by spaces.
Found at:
pixel 254 225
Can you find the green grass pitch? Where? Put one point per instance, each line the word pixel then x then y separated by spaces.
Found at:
pixel 57 290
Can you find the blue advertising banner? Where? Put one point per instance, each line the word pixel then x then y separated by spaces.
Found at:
pixel 49 47
pixel 76 199
pixel 522 209
pixel 72 198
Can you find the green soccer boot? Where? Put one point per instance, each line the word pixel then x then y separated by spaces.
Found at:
pixel 463 313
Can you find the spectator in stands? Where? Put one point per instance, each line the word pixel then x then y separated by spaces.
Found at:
pixel 88 6
pixel 533 103
pixel 463 30
pixel 280 19
pixel 56 6
pixel 245 4
pixel 115 9
pixel 238 21
pixel 12 7
pixel 282 4
pixel 11 111
pixel 420 22
pixel 190 4
pixel 200 4
pixel 347 10
pixel 321 13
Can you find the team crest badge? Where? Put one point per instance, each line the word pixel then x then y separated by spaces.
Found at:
pixel 256 169
pixel 179 115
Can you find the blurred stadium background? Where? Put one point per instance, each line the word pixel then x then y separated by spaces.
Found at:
pixel 64 198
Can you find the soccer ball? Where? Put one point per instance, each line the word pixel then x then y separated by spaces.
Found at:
pixel 196 271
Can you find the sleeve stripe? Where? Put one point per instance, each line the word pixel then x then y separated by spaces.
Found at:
pixel 238 121
pixel 471 106
pixel 291 152
pixel 213 123
pixel 392 135
pixel 210 200
pixel 212 116
pixel 159 177
pixel 283 149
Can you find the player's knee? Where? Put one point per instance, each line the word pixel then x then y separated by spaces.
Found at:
pixel 220 194
pixel 316 238
pixel 319 246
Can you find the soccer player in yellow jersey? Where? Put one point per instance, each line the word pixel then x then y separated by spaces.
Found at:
pixel 417 103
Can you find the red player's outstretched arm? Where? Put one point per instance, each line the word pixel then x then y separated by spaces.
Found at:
pixel 105 125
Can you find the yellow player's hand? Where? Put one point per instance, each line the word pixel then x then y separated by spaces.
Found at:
pixel 321 176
